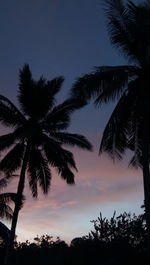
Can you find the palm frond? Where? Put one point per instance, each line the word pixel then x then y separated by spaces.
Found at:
pixel 32 175
pixel 44 175
pixel 57 155
pixel 105 84
pixel 13 159
pixel 72 140
pixel 5 211
pixel 39 172
pixel 37 97
pixel 63 161
pixel 18 135
pixel 116 132
pixel 52 87
pixel 25 89
pixel 3 182
pixel 59 117
pixel 60 158
pixel 66 174
pixel 10 115
pixel 134 141
pixel 118 22
pixel 8 197
pixel 128 27
pixel 136 161
pixel 7 141
pixel 4 232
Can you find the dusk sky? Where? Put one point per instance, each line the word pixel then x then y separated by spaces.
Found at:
pixel 69 38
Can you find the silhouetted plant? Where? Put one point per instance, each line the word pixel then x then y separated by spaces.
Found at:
pixel 45 250
pixel 48 241
pixel 126 227
pixel 110 242
pixel 5 199
pixel 6 211
pixel 128 126
pixel 37 137
pixel 118 240
pixel 4 233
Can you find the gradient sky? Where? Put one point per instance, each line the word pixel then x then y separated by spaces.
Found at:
pixel 66 37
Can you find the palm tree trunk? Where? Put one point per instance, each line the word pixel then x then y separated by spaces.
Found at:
pixel 146 180
pixel 17 208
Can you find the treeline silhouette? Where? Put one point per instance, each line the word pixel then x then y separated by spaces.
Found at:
pixel 118 240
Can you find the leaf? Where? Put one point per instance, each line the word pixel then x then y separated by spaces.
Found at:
pixel 105 84
pixel 60 158
pixel 72 140
pixel 13 159
pixel 37 97
pixel 8 197
pixel 128 24
pixel 10 115
pixel 59 117
pixel 3 183
pixel 6 141
pixel 39 172
pixel 4 232
pixel 115 136
pixel 5 211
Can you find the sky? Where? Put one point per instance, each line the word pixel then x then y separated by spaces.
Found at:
pixel 69 38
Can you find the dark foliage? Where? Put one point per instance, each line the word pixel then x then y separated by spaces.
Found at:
pixel 4 233
pixel 128 127
pixel 40 124
pixel 125 228
pixel 118 241
pixel 5 201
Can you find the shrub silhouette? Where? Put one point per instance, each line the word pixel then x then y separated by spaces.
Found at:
pixel 115 241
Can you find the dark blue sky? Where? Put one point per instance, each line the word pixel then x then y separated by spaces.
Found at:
pixel 55 37
pixel 69 38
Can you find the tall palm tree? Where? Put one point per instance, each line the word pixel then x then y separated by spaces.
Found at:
pixel 128 126
pixel 37 138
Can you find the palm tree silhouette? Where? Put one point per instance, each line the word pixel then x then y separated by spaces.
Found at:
pixel 128 126
pixel 39 131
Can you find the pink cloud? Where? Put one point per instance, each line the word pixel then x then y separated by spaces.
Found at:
pixel 67 210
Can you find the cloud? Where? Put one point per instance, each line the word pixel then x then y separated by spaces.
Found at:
pixel 67 210
pixel 67 206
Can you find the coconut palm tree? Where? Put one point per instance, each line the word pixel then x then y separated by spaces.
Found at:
pixel 128 126
pixel 38 136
